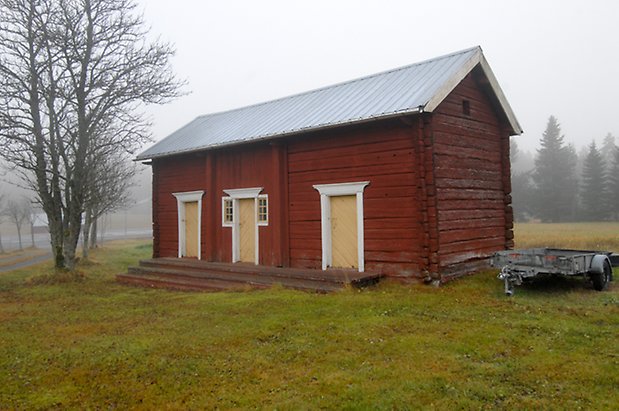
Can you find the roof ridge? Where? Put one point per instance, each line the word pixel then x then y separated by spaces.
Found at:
pixel 409 89
pixel 343 83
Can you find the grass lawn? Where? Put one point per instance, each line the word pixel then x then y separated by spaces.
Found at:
pixel 96 344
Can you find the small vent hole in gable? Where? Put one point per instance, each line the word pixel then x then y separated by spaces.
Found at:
pixel 466 107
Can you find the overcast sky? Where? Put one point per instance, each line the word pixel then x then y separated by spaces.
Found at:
pixel 550 57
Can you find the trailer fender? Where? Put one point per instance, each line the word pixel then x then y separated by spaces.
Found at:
pixel 597 264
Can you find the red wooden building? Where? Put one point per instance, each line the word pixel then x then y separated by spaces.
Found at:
pixel 404 172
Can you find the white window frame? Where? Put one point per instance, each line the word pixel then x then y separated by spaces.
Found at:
pixel 237 194
pixel 340 189
pixel 262 197
pixel 181 199
pixel 225 223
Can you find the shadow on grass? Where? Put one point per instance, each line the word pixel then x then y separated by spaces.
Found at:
pixel 556 284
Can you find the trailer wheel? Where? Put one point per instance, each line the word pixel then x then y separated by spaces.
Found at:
pixel 600 280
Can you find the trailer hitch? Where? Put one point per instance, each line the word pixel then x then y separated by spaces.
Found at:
pixel 510 279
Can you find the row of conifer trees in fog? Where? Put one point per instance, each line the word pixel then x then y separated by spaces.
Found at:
pixel 562 185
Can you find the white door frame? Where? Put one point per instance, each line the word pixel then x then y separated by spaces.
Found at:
pixel 340 189
pixel 237 194
pixel 181 199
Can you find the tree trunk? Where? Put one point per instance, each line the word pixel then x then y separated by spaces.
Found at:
pixel 56 240
pixel 70 248
pixel 86 233
pixel 19 237
pixel 1 247
pixel 32 234
pixel 93 233
pixel 71 237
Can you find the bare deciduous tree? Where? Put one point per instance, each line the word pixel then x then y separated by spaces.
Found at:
pixel 73 74
pixel 1 218
pixel 30 219
pixel 108 192
pixel 18 212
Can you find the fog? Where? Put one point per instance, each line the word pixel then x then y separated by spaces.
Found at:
pixel 550 57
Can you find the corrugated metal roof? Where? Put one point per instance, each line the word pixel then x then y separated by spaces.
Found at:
pixel 410 89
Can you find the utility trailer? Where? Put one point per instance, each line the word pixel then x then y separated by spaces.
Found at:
pixel 522 265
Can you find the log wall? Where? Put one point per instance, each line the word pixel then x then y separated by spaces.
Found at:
pixel 384 153
pixel 471 155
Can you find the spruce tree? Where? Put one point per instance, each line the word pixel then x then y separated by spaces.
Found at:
pixel 522 196
pixel 521 186
pixel 593 190
pixel 556 185
pixel 613 187
pixel 514 151
pixel 608 150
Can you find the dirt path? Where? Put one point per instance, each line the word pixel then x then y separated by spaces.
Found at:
pixel 30 256
pixel 25 258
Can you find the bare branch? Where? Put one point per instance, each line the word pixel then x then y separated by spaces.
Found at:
pixel 73 75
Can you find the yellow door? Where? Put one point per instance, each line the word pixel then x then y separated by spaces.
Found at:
pixel 247 230
pixel 344 231
pixel 191 229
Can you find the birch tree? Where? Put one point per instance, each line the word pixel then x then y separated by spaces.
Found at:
pixel 74 75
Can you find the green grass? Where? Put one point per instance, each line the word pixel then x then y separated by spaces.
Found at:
pixel 93 344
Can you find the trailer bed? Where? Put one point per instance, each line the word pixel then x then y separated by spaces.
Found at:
pixel 520 265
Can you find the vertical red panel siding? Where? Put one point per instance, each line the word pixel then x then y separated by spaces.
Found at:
pixel 258 165
pixel 383 153
pixel 155 210
pixel 211 204
pixel 470 164
pixel 245 167
pixel 173 175
pixel 278 206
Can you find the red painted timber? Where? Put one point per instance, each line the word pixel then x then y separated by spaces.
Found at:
pixel 174 174
pixel 438 193
pixel 381 153
pixel 469 165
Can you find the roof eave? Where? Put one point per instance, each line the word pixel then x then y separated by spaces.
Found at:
pixel 412 111
pixel 507 109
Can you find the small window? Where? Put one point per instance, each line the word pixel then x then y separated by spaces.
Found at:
pixel 227 206
pixel 466 107
pixel 263 210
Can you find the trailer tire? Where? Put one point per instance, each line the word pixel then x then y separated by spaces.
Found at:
pixel 601 279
